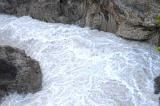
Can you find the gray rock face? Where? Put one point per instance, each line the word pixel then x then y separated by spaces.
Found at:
pixel 18 72
pixel 126 18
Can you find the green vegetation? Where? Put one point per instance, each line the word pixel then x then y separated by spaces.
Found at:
pixel 158 49
pixel 157 31
pixel 158 22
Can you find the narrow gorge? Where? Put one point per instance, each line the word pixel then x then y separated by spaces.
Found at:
pixel 83 52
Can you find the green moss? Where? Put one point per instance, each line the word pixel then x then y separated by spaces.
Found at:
pixel 158 48
pixel 158 21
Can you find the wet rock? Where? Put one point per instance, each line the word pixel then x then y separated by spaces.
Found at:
pixel 8 72
pixel 18 72
pixel 157 85
pixel 126 18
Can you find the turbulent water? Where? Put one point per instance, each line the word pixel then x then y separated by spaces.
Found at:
pixel 82 67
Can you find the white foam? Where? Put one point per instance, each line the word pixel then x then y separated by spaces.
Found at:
pixel 82 67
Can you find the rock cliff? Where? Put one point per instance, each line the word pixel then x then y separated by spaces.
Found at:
pixel 126 18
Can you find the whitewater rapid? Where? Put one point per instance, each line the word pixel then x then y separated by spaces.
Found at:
pixel 82 67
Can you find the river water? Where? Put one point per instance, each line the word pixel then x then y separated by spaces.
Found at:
pixel 82 67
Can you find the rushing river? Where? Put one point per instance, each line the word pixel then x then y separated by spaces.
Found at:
pixel 82 67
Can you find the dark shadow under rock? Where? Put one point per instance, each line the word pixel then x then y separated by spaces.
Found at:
pixel 18 72
pixel 8 72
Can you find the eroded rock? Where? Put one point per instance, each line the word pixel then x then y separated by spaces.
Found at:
pixel 18 72
pixel 126 18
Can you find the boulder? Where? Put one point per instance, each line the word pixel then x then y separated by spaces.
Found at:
pixel 157 85
pixel 126 18
pixel 18 72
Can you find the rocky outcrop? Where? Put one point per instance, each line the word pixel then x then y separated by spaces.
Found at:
pixel 18 72
pixel 157 85
pixel 126 18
